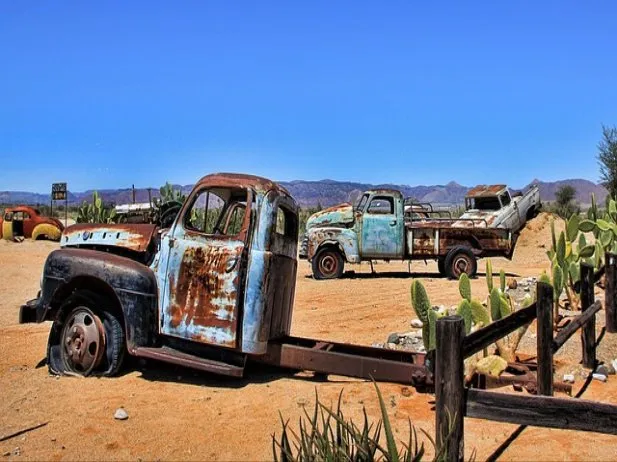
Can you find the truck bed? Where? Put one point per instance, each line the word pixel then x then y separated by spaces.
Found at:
pixel 434 237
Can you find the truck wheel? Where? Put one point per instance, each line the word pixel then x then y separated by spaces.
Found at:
pixel 86 339
pixel 441 265
pixel 328 264
pixel 460 260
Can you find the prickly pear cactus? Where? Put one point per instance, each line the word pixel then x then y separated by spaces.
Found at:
pixel 479 313
pixel 464 310
pixel 489 275
pixel 495 302
pixel 492 365
pixel 420 301
pixel 429 331
pixel 502 281
pixel 464 287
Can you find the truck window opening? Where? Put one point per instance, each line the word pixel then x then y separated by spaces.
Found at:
pixel 485 203
pixel 381 205
pixel 218 212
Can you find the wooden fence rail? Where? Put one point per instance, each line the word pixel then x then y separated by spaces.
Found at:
pixel 454 402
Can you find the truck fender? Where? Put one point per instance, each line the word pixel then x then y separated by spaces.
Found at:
pixel 129 286
pixel 343 238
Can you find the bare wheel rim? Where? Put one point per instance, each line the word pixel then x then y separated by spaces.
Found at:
pixel 328 264
pixel 461 265
pixel 83 341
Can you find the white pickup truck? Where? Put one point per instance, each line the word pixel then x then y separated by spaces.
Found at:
pixel 497 208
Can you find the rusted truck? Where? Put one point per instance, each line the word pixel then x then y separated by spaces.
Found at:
pixel 27 222
pixel 213 292
pixel 500 208
pixel 384 226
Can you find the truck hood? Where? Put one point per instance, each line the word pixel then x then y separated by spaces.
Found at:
pixel 480 216
pixel 338 215
pixel 134 237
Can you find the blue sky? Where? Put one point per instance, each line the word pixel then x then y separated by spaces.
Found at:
pixel 104 94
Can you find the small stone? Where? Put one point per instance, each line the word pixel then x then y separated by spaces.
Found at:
pixel 17 451
pixel 53 439
pixel 301 402
pixel 416 323
pixel 391 346
pixel 600 377
pixel 406 391
pixel 568 378
pixel 121 414
pixel 614 364
pixel 512 284
pixel 393 338
pixel 6 454
pixel 605 369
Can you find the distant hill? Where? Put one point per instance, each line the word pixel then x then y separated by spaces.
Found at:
pixel 325 192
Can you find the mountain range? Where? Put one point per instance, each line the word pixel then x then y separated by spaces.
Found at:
pixel 324 192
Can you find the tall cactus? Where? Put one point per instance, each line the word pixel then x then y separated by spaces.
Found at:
pixel 424 310
pixel 470 309
pixel 95 212
pixel 489 274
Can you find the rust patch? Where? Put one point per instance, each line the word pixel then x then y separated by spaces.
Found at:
pixel 483 190
pixel 205 294
pixel 258 183
pixel 135 237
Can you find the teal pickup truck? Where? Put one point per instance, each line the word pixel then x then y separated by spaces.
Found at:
pixel 384 226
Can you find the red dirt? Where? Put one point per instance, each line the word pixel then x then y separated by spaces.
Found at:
pixel 176 413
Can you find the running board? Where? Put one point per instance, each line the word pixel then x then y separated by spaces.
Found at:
pixel 170 355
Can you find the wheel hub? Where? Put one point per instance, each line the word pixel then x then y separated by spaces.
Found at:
pixel 461 264
pixel 83 340
pixel 328 264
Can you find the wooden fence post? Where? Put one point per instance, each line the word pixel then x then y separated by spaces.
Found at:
pixel 449 387
pixel 588 331
pixel 544 307
pixel 610 292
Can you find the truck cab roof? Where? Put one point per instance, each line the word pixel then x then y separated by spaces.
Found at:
pixel 483 190
pixel 257 183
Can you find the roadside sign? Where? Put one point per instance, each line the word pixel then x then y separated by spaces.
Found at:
pixel 58 192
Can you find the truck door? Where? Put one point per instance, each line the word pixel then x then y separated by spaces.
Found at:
pixel 205 260
pixel 382 228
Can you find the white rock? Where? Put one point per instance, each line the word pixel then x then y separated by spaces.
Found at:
pixel 600 377
pixel 569 378
pixel 416 323
pixel 121 414
pixel 614 364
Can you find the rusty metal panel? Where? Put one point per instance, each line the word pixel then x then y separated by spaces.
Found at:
pixel 340 215
pixel 347 239
pixel 349 360
pixel 383 234
pixel 421 241
pixel 483 190
pixel 135 237
pixel 202 289
pixel 270 279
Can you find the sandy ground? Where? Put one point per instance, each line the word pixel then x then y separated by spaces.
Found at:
pixel 176 413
